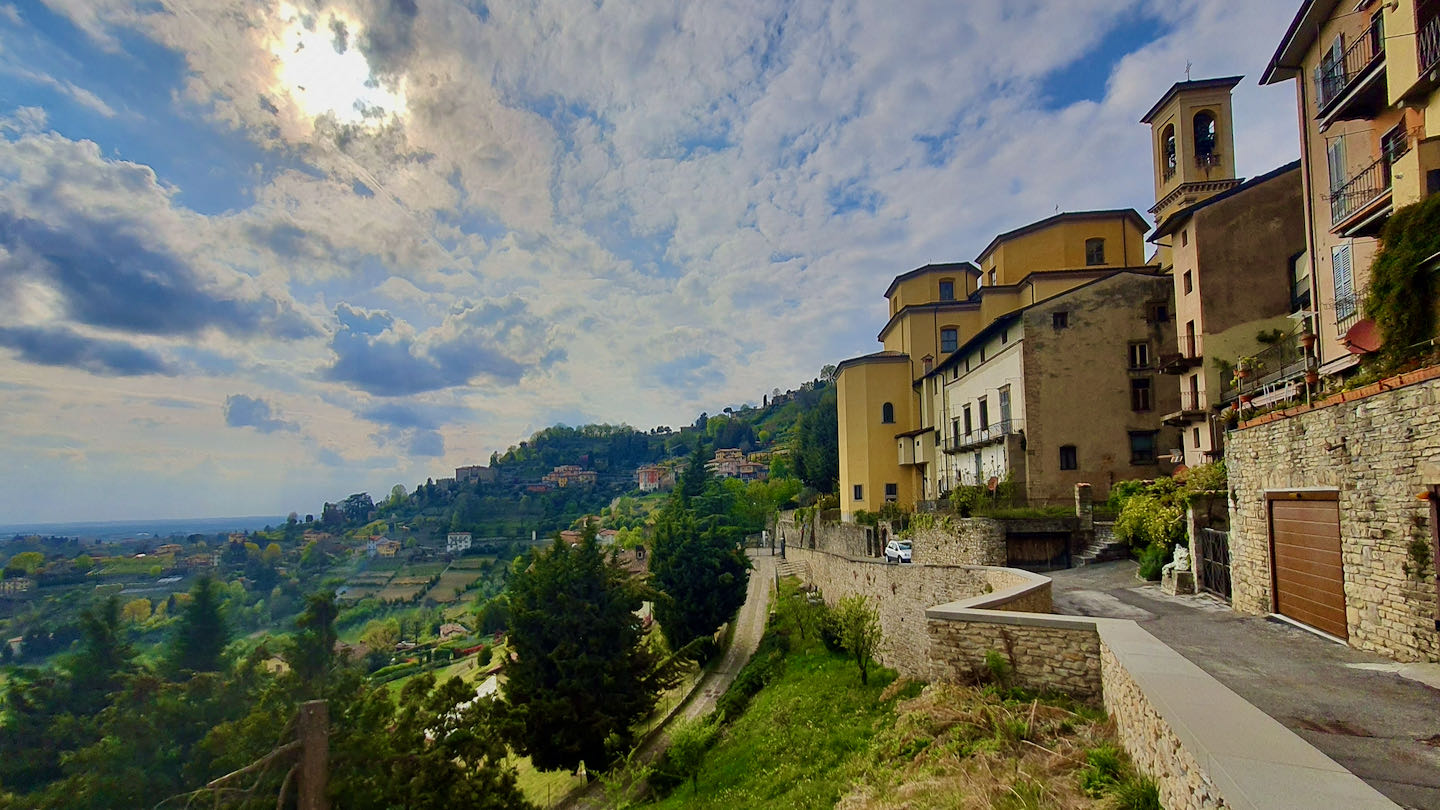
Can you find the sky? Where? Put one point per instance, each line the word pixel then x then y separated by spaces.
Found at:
pixel 258 255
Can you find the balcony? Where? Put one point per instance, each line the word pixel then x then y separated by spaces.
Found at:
pixel 1192 409
pixel 1429 41
pixel 962 442
pixel 1272 369
pixel 1347 311
pixel 1189 356
pixel 1353 86
pixel 1363 199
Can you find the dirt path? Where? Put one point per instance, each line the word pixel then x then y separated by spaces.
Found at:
pixel 749 627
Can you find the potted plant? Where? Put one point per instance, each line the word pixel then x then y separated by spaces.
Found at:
pixel 1245 399
pixel 1307 339
pixel 1311 376
pixel 1245 365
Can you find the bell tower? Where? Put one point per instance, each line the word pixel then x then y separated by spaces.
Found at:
pixel 1192 138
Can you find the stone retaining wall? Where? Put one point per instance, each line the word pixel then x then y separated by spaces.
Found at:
pixel 1369 450
pixel 1039 659
pixel 960 541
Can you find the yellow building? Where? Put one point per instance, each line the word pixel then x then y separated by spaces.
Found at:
pixel 887 450
pixel 1234 250
pixel 1367 77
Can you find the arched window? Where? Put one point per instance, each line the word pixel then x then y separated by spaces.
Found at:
pixel 1167 148
pixel 887 413
pixel 1205 138
pixel 1094 251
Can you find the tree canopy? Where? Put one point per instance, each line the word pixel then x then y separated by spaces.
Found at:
pixel 582 674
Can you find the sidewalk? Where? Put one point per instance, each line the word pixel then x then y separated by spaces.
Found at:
pixel 1353 706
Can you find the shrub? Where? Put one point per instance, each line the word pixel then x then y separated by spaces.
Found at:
pixel 1152 560
pixel 1401 295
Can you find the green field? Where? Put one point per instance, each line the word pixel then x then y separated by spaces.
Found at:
pixel 444 589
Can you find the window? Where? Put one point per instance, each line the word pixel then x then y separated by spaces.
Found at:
pixel 969 426
pixel 1157 312
pixel 1299 283
pixel 947 289
pixel 1344 283
pixel 1005 407
pixel 1069 460
pixel 1167 148
pixel 1195 432
pixel 949 339
pixel 1142 447
pixel 892 492
pixel 1004 336
pixel 887 414
pixel 1094 251
pixel 1189 283
pixel 1140 355
pixel 1140 394
pixel 1060 320
pixel 955 429
pixel 1206 139
pixel 1184 237
pixel 1335 156
pixel 992 277
pixel 859 492
pixel 984 414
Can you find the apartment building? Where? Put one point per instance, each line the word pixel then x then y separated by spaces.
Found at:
pixel 1006 404
pixel 888 443
pixel 1367 77
pixel 1235 251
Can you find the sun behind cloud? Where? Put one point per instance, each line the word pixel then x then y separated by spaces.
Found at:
pixel 318 67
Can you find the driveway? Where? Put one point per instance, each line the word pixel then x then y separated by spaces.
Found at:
pixel 1354 706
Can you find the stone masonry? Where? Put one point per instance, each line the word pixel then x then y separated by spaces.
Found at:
pixel 960 541
pixel 1369 450
pixel 1040 659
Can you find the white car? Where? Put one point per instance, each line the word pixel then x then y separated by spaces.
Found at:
pixel 897 551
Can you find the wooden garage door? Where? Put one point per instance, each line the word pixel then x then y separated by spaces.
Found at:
pixel 1305 550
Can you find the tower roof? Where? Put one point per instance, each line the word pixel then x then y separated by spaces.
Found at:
pixel 1183 87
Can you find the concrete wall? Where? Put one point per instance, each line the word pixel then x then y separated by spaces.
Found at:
pixel 1368 450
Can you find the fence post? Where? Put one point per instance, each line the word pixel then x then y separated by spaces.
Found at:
pixel 314 734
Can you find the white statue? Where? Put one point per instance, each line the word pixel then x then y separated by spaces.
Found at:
pixel 1182 559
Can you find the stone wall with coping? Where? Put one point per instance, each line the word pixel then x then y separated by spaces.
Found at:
pixel 959 541
pixel 1369 450
pixel 1205 747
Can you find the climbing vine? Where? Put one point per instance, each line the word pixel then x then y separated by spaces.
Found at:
pixel 1402 294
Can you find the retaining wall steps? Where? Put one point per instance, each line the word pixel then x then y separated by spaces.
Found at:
pixel 1105 547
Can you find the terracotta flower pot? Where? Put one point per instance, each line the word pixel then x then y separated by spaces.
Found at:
pixel 1242 373
pixel 1245 399
pixel 1307 339
pixel 1312 377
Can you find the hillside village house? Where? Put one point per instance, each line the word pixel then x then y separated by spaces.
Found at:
pixel 732 463
pixel 1235 252
pixel 1367 80
pixel 653 477
pixel 474 474
pixel 890 430
pixel 382 547
pixel 567 474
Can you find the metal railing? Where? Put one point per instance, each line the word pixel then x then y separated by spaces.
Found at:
pixel 1168 172
pixel 1361 190
pixel 1347 311
pixel 1207 160
pixel 985 435
pixel 1284 361
pixel 1212 566
pixel 1192 400
pixel 1429 38
pixel 1334 77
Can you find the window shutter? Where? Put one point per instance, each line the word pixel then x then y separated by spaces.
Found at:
pixel 1344 282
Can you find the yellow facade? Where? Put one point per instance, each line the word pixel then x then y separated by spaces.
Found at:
pixel 868 460
pixel 937 308
pixel 1192 134
pixel 1367 81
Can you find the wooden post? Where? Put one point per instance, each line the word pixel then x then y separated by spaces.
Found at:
pixel 314 734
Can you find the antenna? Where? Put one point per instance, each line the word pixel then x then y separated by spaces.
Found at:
pixel 1188 65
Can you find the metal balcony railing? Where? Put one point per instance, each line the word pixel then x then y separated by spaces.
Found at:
pixel 1359 191
pixel 1429 37
pixel 1192 400
pixel 1207 160
pixel 1189 356
pixel 1347 311
pixel 995 432
pixel 1333 77
pixel 1280 363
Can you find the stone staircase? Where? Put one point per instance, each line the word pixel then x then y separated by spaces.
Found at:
pixel 788 568
pixel 1104 548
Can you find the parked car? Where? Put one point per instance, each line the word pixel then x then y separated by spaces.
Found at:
pixel 897 551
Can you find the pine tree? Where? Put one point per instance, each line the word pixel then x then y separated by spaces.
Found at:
pixel 201 635
pixel 582 674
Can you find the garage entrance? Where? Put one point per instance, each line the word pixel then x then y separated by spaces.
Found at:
pixel 1305 562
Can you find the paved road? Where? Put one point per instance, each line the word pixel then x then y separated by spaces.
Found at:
pixel 749 628
pixel 1352 705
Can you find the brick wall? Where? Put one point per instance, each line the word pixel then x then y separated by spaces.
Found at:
pixel 1369 450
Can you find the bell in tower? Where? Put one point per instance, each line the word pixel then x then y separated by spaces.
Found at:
pixel 1193 142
